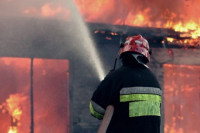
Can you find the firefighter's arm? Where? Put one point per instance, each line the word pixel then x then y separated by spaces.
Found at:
pixel 96 110
pixel 101 99
pixel 106 119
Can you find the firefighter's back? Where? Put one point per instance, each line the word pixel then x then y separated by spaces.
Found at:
pixel 136 98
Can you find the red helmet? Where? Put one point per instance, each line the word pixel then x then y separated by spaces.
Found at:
pixel 136 44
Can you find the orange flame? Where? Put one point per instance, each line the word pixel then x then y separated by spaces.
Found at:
pixel 191 27
pixel 181 16
pixel 49 10
pixel 13 105
pixel 13 130
pixel 181 89
pixel 13 108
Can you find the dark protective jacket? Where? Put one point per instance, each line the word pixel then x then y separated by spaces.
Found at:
pixel 135 93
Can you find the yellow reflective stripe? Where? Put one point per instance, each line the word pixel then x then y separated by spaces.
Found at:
pixel 144 108
pixel 140 97
pixel 94 113
pixel 97 107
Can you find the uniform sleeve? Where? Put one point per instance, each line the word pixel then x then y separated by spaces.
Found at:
pixel 101 98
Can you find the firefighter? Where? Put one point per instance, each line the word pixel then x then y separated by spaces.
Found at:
pixel 132 90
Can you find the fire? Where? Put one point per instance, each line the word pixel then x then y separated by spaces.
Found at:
pixel 13 130
pixel 13 105
pixel 185 41
pixel 15 111
pixel 181 90
pixel 13 108
pixel 189 34
pixel 138 19
pixel 192 27
pixel 172 129
pixel 49 10
pixel 109 36
pixel 181 16
pixel 170 39
pixel 92 10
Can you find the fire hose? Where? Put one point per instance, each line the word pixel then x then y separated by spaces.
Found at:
pixel 106 119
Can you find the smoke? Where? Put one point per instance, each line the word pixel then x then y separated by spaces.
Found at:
pixel 41 9
pixel 33 23
pixel 107 11
pixel 86 44
pixel 43 29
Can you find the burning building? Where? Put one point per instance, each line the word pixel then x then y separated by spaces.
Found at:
pixel 48 76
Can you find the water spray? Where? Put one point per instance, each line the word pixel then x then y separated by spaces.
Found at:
pixel 94 55
pixel 87 42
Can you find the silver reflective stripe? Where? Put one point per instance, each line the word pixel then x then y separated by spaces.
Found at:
pixel 97 108
pixel 140 90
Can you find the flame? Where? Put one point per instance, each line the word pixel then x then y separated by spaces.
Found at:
pixel 138 19
pixel 8 61
pixel 140 13
pixel 13 108
pixel 13 105
pixel 181 16
pixel 13 130
pixel 192 27
pixel 92 10
pixel 170 39
pixel 187 42
pixel 181 89
pixel 49 10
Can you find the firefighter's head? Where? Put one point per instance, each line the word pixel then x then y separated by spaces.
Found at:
pixel 137 47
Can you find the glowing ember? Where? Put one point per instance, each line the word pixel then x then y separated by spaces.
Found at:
pixel 108 38
pixel 114 33
pixel 188 42
pixel 170 39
